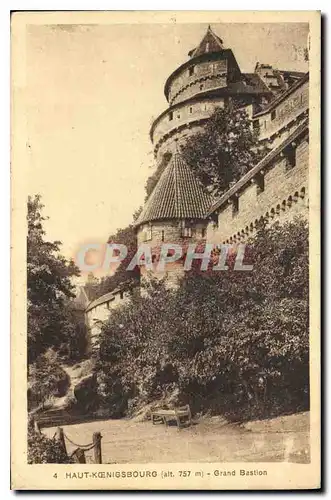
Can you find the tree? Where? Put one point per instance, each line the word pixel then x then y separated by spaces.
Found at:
pixel 121 276
pixel 47 379
pixel 49 287
pixel 225 150
pixel 154 178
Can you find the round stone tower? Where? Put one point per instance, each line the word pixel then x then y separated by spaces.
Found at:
pixel 174 214
pixel 209 79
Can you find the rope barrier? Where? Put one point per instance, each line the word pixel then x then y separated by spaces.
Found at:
pixel 84 449
pixel 91 445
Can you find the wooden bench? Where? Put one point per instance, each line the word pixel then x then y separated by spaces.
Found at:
pixel 178 414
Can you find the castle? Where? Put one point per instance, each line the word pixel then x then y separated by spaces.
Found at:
pixel 179 209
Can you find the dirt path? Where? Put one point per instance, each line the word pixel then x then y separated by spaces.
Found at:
pixel 282 439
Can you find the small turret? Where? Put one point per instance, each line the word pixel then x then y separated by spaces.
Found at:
pixel 174 213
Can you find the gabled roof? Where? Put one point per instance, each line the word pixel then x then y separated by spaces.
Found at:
pixel 255 81
pixel 177 195
pixel 209 43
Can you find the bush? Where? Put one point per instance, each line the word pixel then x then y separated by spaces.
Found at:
pixel 42 450
pixel 47 379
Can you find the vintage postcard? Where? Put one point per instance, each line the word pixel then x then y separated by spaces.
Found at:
pixel 165 250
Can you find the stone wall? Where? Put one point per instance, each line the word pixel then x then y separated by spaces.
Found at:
pixel 168 231
pixel 182 117
pixel 97 315
pixel 285 195
pixel 280 119
pixel 210 74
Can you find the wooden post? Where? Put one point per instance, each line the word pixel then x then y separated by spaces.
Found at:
pixel 35 424
pixel 60 434
pixel 79 456
pixel 97 447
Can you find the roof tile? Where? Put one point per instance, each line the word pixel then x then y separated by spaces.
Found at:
pixel 177 195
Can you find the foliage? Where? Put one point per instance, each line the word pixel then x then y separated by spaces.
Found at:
pixel 47 379
pixel 232 342
pixel 224 150
pixel 42 450
pixel 125 236
pixel 154 178
pixel 49 287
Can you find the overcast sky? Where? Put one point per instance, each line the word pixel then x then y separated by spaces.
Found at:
pixel 92 93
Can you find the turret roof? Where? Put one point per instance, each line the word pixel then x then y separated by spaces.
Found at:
pixel 177 195
pixel 209 43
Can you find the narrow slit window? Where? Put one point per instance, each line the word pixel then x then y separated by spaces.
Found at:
pixel 171 116
pixel 235 205
pixel 290 158
pixel 259 183
pixel 256 124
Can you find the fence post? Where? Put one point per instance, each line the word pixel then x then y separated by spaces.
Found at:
pixel 35 424
pixel 97 447
pixel 60 434
pixel 79 456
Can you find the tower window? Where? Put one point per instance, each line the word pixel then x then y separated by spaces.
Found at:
pixel 191 109
pixel 171 115
pixel 273 114
pixel 186 231
pixel 191 70
pixel 203 232
pixel 207 47
pixel 162 235
pixel 201 86
pixel 148 233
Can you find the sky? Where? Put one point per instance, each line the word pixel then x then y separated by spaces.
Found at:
pixel 92 92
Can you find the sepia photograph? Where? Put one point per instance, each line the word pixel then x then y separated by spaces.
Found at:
pixel 165 297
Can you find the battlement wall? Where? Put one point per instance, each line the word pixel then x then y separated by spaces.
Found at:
pixel 278 192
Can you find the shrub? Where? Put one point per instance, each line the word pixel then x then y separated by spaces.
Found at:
pixel 47 379
pixel 232 342
pixel 42 450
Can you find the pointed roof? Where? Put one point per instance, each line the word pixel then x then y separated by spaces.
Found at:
pixel 209 43
pixel 177 195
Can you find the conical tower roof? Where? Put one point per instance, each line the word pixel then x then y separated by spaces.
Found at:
pixel 177 195
pixel 209 43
